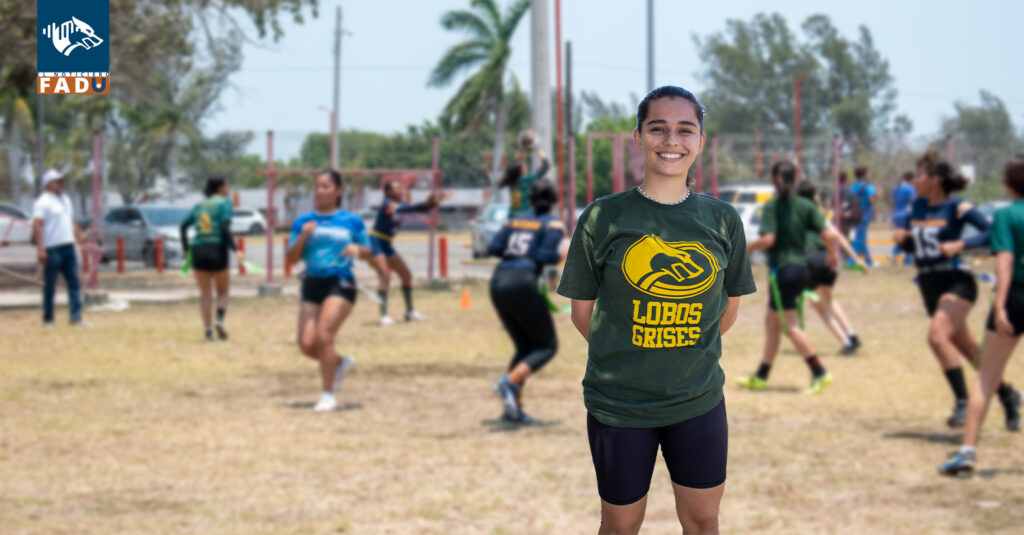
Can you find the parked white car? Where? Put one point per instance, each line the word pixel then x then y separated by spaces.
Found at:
pixel 15 224
pixel 750 214
pixel 247 221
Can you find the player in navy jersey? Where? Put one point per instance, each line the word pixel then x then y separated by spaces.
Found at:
pixel 932 236
pixel 385 258
pixel 525 244
pixel 327 240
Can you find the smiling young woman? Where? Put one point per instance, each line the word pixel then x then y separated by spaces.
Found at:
pixel 655 275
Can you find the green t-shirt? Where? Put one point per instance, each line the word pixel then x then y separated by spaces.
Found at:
pixel 790 220
pixel 661 276
pixel 814 241
pixel 1008 235
pixel 207 216
pixel 521 196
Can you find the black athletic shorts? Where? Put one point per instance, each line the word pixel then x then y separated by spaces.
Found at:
pixel 935 284
pixel 317 289
pixel 695 452
pixel 1014 310
pixel 210 257
pixel 818 272
pixel 792 279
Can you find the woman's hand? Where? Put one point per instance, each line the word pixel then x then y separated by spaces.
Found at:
pixel 951 248
pixel 900 236
pixel 308 228
pixel 832 259
pixel 351 250
pixel 1002 321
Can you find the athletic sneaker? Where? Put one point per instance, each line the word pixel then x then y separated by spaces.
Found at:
pixel 342 371
pixel 819 383
pixel 386 320
pixel 848 350
pixel 48 324
pixel 222 333
pixel 959 415
pixel 1011 405
pixel 507 392
pixel 962 462
pixel 412 315
pixel 327 403
pixel 524 419
pixel 855 342
pixel 753 382
pixel 209 335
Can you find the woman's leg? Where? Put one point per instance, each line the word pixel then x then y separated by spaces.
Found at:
pixel 332 314
pixel 772 336
pixel 399 266
pixel 698 508
pixel 994 355
pixel 949 318
pixel 306 334
pixel 823 306
pixel 222 281
pixel 380 265
pixel 203 279
pixel 622 519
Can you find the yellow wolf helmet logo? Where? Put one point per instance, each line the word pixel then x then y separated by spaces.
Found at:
pixel 61 36
pixel 669 269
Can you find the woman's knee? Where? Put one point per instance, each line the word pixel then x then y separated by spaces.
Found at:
pixel 700 522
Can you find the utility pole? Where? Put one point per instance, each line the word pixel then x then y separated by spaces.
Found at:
pixel 540 81
pixel 336 111
pixel 650 45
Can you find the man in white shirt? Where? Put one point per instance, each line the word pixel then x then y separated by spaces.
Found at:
pixel 56 234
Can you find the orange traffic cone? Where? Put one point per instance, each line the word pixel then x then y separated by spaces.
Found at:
pixel 466 303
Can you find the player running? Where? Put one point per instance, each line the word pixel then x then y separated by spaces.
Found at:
pixel 1005 320
pixel 932 235
pixel 327 240
pixel 210 258
pixel 786 221
pixel 525 244
pixel 385 258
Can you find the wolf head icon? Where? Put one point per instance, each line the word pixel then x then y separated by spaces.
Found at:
pixel 61 35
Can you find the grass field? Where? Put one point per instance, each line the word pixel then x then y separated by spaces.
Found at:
pixel 135 425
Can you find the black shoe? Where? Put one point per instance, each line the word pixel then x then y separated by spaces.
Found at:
pixel 959 415
pixel 848 351
pixel 209 335
pixel 1011 404
pixel 222 333
pixel 855 342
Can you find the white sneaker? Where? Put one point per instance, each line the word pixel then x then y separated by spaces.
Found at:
pixel 327 403
pixel 342 371
pixel 386 320
pixel 412 315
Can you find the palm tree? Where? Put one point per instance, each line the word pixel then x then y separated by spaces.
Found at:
pixel 488 49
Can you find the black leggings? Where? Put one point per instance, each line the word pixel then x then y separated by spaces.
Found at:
pixel 525 315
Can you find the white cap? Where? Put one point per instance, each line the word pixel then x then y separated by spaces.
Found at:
pixel 51 175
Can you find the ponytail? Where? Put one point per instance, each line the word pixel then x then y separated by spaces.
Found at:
pixel 951 180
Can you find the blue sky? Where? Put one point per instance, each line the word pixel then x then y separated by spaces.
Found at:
pixel 940 52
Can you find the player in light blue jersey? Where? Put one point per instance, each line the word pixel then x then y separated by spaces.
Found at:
pixel 328 240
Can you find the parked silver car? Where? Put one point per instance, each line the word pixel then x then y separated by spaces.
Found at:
pixel 15 225
pixel 245 221
pixel 140 226
pixel 486 225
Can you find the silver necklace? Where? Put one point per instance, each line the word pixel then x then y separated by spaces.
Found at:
pixel 640 189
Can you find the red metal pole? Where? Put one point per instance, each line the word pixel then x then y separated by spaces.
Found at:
pixel 799 124
pixel 94 234
pixel 284 255
pixel 241 249
pixel 160 255
pixel 120 256
pixel 618 164
pixel 442 245
pixel 271 212
pixel 435 167
pixel 714 166
pixel 836 193
pixel 590 169
pixel 699 179
pixel 572 183
pixel 559 115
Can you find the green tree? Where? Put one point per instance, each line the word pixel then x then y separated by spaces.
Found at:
pixel 482 96
pixel 985 137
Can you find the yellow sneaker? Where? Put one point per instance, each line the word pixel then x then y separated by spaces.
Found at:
pixel 752 382
pixel 819 383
